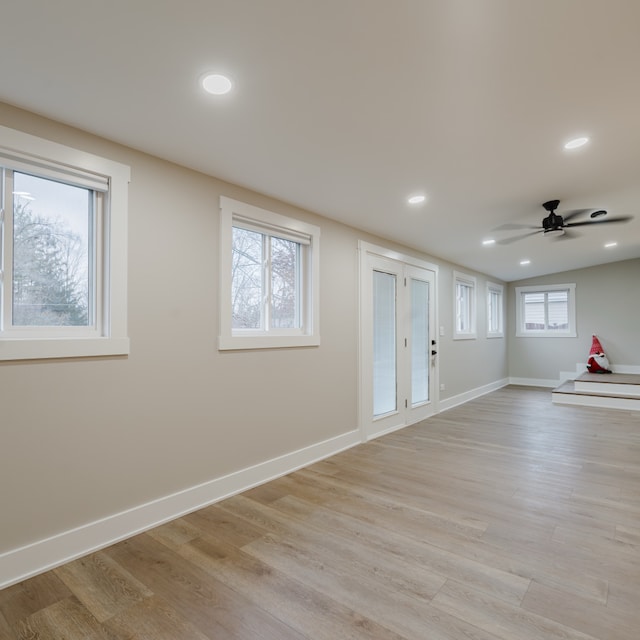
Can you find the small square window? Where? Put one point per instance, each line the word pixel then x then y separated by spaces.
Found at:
pixel 269 279
pixel 546 311
pixel 62 293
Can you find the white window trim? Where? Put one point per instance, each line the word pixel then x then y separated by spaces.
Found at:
pixel 494 287
pixel 19 147
pixel 571 332
pixel 470 281
pixel 238 339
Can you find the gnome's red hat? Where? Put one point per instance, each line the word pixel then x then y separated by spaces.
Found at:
pixel 596 347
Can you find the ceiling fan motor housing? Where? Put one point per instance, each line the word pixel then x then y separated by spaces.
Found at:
pixel 552 222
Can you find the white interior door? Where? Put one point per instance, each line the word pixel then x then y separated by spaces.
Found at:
pixel 398 350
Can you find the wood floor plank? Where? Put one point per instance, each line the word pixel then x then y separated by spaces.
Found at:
pixel 26 598
pixel 102 585
pixel 153 619
pixel 366 589
pixel 378 541
pixel 6 632
pixel 307 610
pixel 66 619
pixel 628 535
pixel 211 606
pixel 499 617
pixel 572 611
pixel 506 518
pixel 175 533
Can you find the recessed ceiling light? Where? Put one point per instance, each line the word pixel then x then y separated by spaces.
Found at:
pixel 576 142
pixel 416 199
pixel 488 242
pixel 216 84
pixel 610 244
pixel 523 262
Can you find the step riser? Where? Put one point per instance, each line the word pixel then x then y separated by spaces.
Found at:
pixel 606 388
pixel 604 402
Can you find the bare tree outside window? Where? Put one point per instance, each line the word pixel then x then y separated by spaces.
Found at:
pixel 51 223
pixel 284 283
pixel 258 259
pixel 247 286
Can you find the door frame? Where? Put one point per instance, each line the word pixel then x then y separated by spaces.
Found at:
pixel 365 251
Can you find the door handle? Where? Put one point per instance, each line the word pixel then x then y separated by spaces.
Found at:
pixel 433 352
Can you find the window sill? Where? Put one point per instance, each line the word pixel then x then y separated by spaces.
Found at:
pixel 37 349
pixel 465 336
pixel 542 334
pixel 229 343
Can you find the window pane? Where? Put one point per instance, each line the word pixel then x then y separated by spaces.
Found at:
pixel 534 311
pixel 495 311
pixel 285 284
pixel 463 308
pixel 247 285
pixel 419 341
pixel 384 343
pixel 558 310
pixel 52 263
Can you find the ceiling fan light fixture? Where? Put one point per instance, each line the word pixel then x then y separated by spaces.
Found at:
pixel 576 143
pixel 557 231
pixel 417 199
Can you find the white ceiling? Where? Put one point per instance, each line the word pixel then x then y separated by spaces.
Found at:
pixel 346 107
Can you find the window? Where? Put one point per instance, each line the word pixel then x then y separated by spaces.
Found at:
pixel 64 216
pixel 269 279
pixel 546 311
pixel 464 293
pixel 495 313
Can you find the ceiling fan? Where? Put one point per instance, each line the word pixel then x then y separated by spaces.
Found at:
pixel 555 225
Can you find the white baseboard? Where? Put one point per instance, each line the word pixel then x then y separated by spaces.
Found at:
pixel 24 562
pixel 534 382
pixel 461 398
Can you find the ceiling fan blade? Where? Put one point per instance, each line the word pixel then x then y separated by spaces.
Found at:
pixel 605 221
pixel 521 237
pixel 573 213
pixel 513 227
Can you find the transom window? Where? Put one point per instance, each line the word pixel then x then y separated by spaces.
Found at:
pixel 269 277
pixel 546 311
pixel 63 220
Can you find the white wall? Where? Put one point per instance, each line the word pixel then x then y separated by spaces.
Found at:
pixel 469 364
pixel 607 305
pixel 85 439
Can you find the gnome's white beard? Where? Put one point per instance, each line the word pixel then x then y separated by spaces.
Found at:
pixel 598 362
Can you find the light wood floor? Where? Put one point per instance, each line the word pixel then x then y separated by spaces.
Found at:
pixel 507 518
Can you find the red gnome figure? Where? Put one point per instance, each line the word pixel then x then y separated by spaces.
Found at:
pixel 598 361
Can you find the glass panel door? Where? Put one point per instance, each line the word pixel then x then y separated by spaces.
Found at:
pixel 398 358
pixel 384 343
pixel 419 341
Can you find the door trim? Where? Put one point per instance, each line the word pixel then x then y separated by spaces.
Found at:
pixel 365 250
